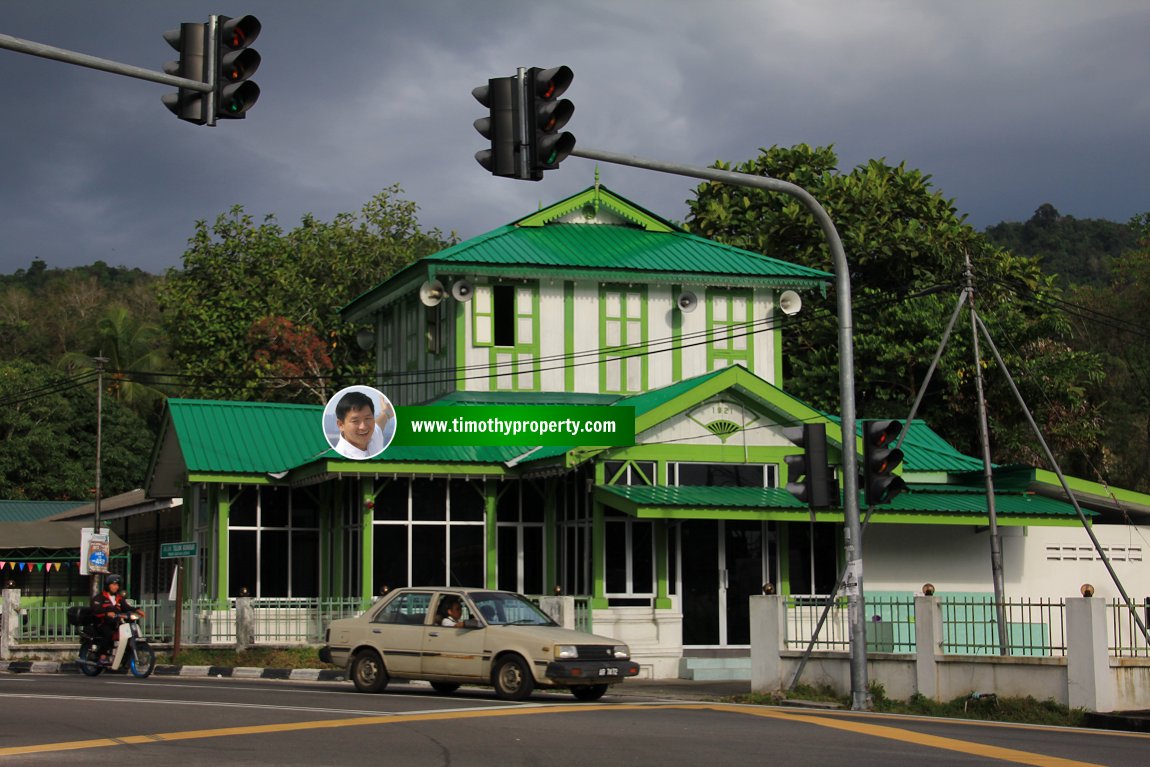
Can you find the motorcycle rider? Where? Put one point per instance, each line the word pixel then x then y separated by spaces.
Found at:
pixel 109 606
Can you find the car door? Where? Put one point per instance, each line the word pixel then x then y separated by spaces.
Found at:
pixel 397 630
pixel 455 652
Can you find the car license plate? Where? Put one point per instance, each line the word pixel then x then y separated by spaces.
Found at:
pixel 608 672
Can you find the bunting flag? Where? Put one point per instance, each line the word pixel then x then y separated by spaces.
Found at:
pixel 57 566
pixel 3 565
pixel 39 567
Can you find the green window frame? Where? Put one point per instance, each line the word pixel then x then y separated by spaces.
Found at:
pixel 622 339
pixel 730 320
pixel 514 366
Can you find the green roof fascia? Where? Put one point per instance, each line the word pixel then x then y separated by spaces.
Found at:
pixel 1046 482
pixel 525 398
pixel 567 272
pixel 228 478
pixel 654 407
pixel 600 195
pixel 953 507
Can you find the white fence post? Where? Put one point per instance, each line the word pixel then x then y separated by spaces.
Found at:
pixel 768 621
pixel 927 644
pixel 561 609
pixel 9 620
pixel 245 623
pixel 1089 681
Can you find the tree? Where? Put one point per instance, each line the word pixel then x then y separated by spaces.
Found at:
pixel 242 281
pixel 1113 321
pixel 48 437
pixel 906 246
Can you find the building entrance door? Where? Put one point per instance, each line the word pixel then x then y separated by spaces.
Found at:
pixel 723 563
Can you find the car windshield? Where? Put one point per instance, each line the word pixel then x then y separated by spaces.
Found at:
pixel 499 609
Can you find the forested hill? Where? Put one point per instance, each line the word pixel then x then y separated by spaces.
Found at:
pixel 1079 251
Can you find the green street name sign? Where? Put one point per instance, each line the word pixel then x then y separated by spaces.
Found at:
pixel 177 550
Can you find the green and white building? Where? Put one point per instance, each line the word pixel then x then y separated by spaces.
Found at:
pixel 591 301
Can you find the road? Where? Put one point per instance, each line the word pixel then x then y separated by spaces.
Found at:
pixel 52 719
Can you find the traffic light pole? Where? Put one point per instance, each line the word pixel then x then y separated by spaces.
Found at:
pixel 860 697
pixel 104 65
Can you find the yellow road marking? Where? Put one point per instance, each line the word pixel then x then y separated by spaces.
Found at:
pixel 862 728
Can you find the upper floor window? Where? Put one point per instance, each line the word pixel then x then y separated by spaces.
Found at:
pixel 723 474
pixel 504 315
pixel 622 338
pixel 729 322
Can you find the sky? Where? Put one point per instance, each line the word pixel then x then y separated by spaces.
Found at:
pixel 1007 105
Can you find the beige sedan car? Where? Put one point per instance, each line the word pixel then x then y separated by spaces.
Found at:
pixel 451 637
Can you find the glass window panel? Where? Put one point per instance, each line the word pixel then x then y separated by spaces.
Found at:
pixel 532 502
pixel 533 561
pixel 468 555
pixel 428 500
pixel 507 507
pixel 616 556
pixel 508 558
pixel 429 555
pixel 642 559
pixel 390 556
pixel 466 501
pixel 243 510
pixel 391 503
pixel 305 564
pixel 274 563
pixel 241 562
pixel 303 510
pixel 274 503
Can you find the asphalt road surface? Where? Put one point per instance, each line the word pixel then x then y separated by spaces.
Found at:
pixel 54 719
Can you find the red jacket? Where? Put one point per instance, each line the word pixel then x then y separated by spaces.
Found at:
pixel 108 607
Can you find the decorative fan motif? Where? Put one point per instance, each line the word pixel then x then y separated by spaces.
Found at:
pixel 722 428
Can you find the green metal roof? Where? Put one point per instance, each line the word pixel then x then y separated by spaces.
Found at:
pixel 33 511
pixel 525 398
pixel 217 436
pixel 718 497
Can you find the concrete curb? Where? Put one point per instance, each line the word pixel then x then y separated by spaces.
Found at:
pixel 238 672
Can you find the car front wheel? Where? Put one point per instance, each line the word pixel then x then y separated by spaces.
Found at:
pixel 512 678
pixel 589 692
pixel 368 672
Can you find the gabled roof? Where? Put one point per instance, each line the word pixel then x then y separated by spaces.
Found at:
pixel 31 511
pixel 618 240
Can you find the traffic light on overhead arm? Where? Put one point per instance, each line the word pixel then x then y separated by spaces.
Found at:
pixel 189 40
pixel 499 96
pixel 546 115
pixel 880 458
pixel 234 62
pixel 809 477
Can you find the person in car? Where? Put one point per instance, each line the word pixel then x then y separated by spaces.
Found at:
pixel 108 607
pixel 452 610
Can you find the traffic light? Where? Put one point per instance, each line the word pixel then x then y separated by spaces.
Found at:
pixel 234 63
pixel 546 115
pixel 809 478
pixel 189 42
pixel 499 96
pixel 880 484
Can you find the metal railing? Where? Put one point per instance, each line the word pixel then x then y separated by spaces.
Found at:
pixel 1035 627
pixel 1126 640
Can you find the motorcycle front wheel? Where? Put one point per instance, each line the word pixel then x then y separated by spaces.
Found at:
pixel 143 660
pixel 88 661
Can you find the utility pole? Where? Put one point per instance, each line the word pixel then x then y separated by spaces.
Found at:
pixel 988 476
pixel 100 362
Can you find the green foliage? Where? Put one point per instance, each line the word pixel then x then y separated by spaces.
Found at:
pixel 301 656
pixel 241 280
pixel 1078 251
pixel 48 437
pixel 906 246
pixel 1114 326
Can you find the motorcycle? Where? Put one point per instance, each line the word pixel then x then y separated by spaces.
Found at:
pixel 130 645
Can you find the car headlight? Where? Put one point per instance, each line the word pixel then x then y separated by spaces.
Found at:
pixel 566 651
pixel 622 652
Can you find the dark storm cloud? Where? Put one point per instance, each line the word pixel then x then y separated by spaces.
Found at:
pixel 1008 106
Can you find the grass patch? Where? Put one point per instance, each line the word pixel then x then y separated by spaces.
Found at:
pixel 258 657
